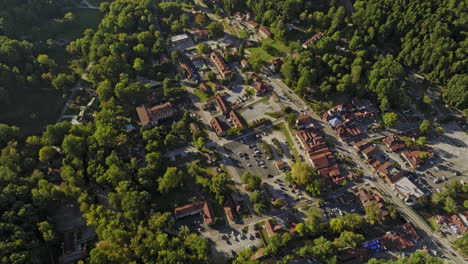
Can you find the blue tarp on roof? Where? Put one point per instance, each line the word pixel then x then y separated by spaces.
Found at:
pixel 334 121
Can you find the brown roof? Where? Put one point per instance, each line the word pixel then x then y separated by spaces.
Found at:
pixel 313 39
pixel 253 23
pixel 217 126
pixel 235 119
pixel 370 151
pixel 394 143
pixel 204 87
pixel 265 31
pixel 409 229
pixel 413 157
pixel 282 165
pixel 219 62
pixel 369 197
pixel 261 87
pixel 270 229
pixel 361 144
pixel 143 115
pixel 194 208
pixel 222 104
pixel 200 32
pixel 228 211
pixel 396 241
pixel 304 120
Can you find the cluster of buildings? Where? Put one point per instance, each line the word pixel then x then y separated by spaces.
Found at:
pixel 405 188
pixel 150 117
pixel 316 147
pixel 369 197
pixel 261 87
pixel 220 64
pixel 286 224
pixel 404 237
pixel 413 157
pixel 191 72
pixel 219 127
pixel 457 223
pixel 345 119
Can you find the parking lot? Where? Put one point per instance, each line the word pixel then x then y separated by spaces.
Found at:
pixel 249 156
pixel 257 110
pixel 227 242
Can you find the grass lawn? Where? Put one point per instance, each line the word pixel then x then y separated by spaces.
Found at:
pixel 282 127
pixel 278 45
pixel 260 53
pixel 32 110
pixel 202 96
pixel 85 18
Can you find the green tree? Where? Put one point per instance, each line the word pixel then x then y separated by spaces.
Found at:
pixel 292 117
pixel 200 143
pixel 462 243
pixel 170 180
pixel 8 133
pixel 425 126
pixel 47 153
pixel 203 48
pixel 201 20
pixel 390 119
pixel 456 93
pixel 336 225
pixel 47 231
pixel 348 239
pixel 450 205
pixel 218 186
pixel 421 141
pixel 373 213
pixel 215 29
pixel 211 76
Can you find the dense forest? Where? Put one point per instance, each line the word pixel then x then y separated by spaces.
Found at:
pixel 370 50
pixel 380 41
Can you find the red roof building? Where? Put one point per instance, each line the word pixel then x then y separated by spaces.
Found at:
pixel 396 240
pixel 394 143
pixel 204 87
pixel 361 145
pixel 264 33
pixel 369 152
pixel 304 121
pixel 222 105
pixel 253 24
pixel 270 229
pixel 413 157
pixel 152 116
pixel 218 128
pixel 220 64
pixel 314 39
pixel 195 208
pixel 410 231
pixel 261 88
pixel 235 119
pixel 368 197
